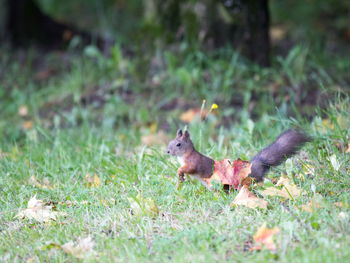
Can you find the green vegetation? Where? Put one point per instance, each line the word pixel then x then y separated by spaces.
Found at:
pixel 79 122
pixel 71 114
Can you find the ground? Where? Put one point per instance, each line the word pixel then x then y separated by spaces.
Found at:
pixel 62 123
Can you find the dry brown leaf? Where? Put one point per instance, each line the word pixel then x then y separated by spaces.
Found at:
pixel 248 199
pixel 45 184
pixel 158 138
pixel 289 190
pixel 92 180
pixel 38 211
pixel 264 238
pixel 80 249
pixel 233 174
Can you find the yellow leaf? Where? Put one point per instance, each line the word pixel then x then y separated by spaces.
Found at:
pixel 248 199
pixel 289 190
pixel 264 238
pixel 141 206
pixel 92 180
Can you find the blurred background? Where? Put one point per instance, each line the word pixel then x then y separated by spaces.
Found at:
pixel 148 65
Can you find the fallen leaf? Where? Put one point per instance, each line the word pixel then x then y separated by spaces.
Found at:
pixel 158 138
pixel 348 149
pixel 27 125
pixel 248 199
pixel 192 114
pixel 80 249
pixel 313 204
pixel 45 184
pixel 233 174
pixel 23 111
pixel 264 238
pixel 92 180
pixel 341 204
pixel 141 206
pixel 39 211
pixel 289 190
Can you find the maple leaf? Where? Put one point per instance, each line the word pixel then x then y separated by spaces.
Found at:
pixel 38 211
pixel 80 249
pixel 248 199
pixel 141 206
pixel 289 190
pixel 233 174
pixel 264 238
pixel 92 180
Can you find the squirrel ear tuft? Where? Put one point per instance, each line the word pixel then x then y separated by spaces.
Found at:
pixel 187 134
pixel 179 133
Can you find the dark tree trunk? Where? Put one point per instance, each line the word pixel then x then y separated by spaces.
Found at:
pixel 26 24
pixel 257 22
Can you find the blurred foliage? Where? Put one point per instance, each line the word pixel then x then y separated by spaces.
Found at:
pixel 143 23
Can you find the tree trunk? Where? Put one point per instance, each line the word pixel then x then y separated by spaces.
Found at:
pixel 26 24
pixel 256 38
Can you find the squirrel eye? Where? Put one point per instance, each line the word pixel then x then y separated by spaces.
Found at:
pixel 178 145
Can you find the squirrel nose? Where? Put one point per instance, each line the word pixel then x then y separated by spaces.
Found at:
pixel 167 152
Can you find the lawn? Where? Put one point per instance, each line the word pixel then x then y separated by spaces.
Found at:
pixel 71 138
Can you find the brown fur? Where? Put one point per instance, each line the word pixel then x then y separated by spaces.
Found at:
pixel 195 163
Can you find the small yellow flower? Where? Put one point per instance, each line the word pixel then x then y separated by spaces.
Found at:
pixel 214 106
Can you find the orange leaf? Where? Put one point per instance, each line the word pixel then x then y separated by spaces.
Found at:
pixel 233 174
pixel 27 125
pixel 248 199
pixel 264 238
pixel 189 115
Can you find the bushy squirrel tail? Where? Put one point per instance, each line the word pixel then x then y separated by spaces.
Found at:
pixel 286 145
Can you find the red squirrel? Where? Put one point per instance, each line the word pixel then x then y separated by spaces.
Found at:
pixel 200 166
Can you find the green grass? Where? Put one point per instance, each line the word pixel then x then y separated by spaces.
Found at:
pixel 71 140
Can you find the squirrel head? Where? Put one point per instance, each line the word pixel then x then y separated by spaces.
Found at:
pixel 181 145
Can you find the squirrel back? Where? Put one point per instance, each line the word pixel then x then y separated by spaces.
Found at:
pixel 286 145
